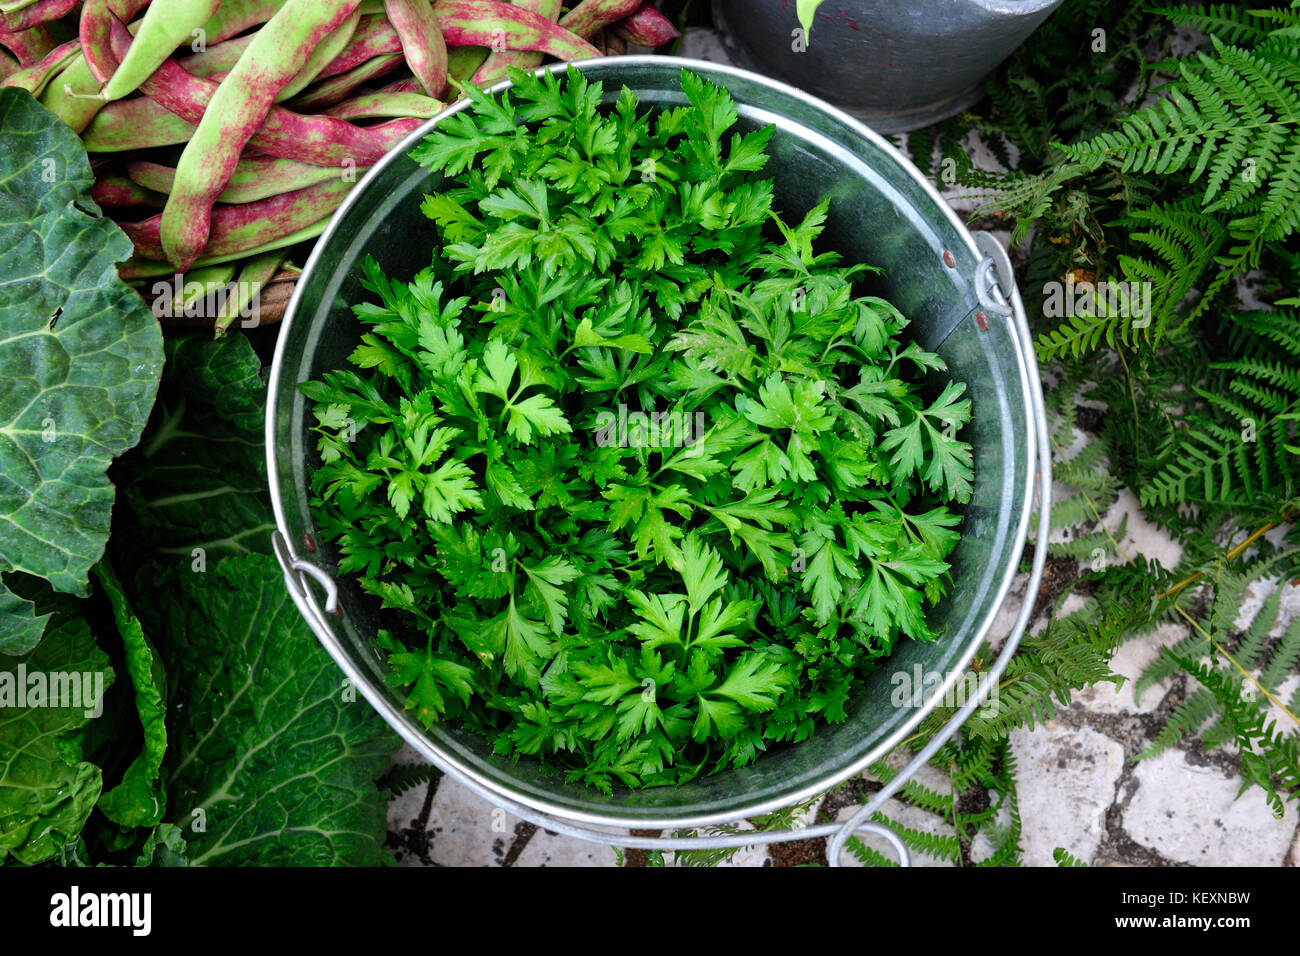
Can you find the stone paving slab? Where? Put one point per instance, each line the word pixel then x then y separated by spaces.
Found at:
pixel 1068 778
pixel 1190 813
pixel 1130 661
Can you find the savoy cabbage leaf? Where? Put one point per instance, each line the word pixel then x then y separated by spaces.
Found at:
pixel 80 358
pixel 198 478
pixel 273 758
pixel 47 789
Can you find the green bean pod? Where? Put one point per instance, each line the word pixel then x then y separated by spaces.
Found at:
pixel 217 58
pixel 338 88
pixel 238 107
pixel 408 85
pixel 198 284
pixel 29 45
pixel 137 123
pixel 233 17
pixel 73 97
pixel 462 61
pixel 324 54
pixel 256 272
pixel 8 65
pixel 647 27
pixel 488 23
pixel 320 140
pixel 371 105
pixel 498 63
pixel 374 37
pixel 34 14
pixel 116 191
pixel 590 15
pixel 141 267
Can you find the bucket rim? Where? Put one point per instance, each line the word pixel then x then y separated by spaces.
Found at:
pixel 529 805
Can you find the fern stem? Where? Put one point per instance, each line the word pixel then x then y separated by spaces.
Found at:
pixel 1132 394
pixel 1092 506
pixel 1233 661
pixel 1229 555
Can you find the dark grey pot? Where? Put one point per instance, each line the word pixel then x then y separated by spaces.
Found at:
pixel 895 64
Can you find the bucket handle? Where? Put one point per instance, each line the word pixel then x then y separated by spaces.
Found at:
pixel 993 276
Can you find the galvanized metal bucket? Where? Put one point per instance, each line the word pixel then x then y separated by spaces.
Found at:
pixel 960 297
pixel 895 65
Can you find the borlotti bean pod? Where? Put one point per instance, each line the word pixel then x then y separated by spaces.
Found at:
pixel 958 291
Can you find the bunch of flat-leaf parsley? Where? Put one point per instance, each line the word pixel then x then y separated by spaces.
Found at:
pixel 645 483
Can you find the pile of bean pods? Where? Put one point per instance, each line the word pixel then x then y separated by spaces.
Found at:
pixel 224 132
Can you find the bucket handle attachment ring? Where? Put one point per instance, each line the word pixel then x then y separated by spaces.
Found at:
pixel 321 578
pixel 985 283
pixel 289 563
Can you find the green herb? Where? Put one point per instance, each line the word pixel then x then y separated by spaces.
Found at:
pixel 647 486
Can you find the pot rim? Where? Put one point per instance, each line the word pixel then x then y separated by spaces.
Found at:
pixel 1015 7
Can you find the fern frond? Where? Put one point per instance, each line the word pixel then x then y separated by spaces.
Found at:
pixel 1063 858
pixel 1283 660
pixel 402 777
pixel 1024 196
pixel 1079 334
pixel 1230 588
pixel 1232 119
pixel 1244 450
pixel 1279 216
pixel 1086 470
pixel 915 793
pixel 1185 241
pixel 1076 509
pixel 867 856
pixel 1062 407
pixel 1086 547
pixel 941 846
pixel 1268 759
pixel 972 764
pixel 1228 21
pixel 1159 139
pixel 1249 648
pixel 1191 647
pixel 1259 333
pixel 1006 842
pixel 1189 717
